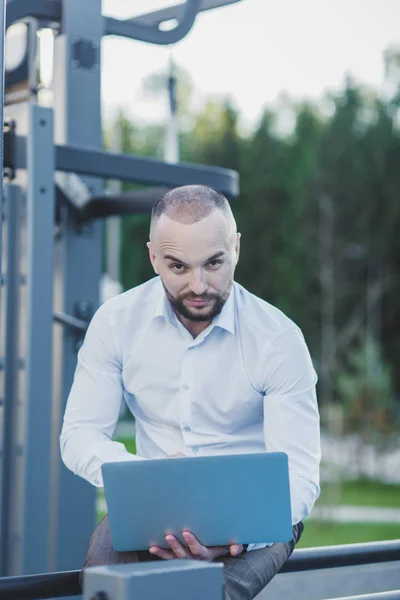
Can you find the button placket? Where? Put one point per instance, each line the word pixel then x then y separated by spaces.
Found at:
pixel 185 397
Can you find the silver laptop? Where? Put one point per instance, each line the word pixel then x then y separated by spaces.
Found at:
pixel 237 498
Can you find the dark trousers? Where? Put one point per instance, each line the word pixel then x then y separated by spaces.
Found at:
pixel 244 575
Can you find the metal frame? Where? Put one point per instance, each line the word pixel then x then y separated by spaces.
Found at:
pixel 61 254
pixel 12 207
pixel 79 253
pixel 37 431
pixel 52 585
pixel 128 167
pixel 134 29
pixel 144 28
pixel 2 44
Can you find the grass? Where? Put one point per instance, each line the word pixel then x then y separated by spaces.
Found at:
pixel 361 492
pixel 323 533
pixel 130 444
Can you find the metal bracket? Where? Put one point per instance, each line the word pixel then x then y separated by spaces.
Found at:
pixel 85 54
pixel 9 139
pixel 76 324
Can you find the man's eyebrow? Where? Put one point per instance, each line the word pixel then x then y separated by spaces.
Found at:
pixel 178 260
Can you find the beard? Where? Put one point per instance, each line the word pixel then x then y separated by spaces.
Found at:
pixel 202 313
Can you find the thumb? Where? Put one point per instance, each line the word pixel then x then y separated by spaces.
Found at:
pixel 236 549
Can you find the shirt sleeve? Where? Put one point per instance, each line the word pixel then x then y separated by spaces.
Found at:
pixel 94 404
pixel 291 417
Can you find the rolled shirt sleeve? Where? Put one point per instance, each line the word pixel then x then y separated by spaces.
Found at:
pixel 94 403
pixel 291 417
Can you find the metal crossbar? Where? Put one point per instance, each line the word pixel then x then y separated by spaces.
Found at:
pixel 129 167
pixel 393 595
pixel 56 585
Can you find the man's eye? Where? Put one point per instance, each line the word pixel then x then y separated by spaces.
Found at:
pixel 178 268
pixel 214 263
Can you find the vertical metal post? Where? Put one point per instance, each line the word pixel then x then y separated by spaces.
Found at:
pixel 77 96
pixel 2 44
pixel 27 414
pixel 11 403
pixel 113 224
pixel 171 150
pixel 36 447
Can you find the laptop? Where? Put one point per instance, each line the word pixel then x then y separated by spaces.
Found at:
pixel 236 498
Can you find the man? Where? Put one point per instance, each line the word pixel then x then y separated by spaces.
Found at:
pixel 206 368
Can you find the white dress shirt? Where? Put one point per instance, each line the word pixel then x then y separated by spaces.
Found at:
pixel 245 384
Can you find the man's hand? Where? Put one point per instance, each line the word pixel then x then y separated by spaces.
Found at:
pixel 195 550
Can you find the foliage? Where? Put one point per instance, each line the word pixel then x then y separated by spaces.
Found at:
pixel 366 390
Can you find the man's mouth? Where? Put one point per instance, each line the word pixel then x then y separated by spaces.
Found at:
pixel 194 302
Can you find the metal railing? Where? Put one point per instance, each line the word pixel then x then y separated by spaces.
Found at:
pixel 56 585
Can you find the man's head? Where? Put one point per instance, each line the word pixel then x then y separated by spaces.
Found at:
pixel 194 247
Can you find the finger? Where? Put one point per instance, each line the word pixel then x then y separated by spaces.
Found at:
pixel 162 553
pixel 236 549
pixel 195 547
pixel 176 546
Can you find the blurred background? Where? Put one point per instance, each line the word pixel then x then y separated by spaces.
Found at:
pixel 302 99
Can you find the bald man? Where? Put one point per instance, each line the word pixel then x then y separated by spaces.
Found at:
pixel 206 368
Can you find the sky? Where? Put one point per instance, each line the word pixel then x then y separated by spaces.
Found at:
pixel 255 51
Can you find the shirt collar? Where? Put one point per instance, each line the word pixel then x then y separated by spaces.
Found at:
pixel 225 319
pixel 163 307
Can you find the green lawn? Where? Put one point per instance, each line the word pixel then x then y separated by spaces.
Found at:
pixel 363 492
pixel 323 533
pixel 130 444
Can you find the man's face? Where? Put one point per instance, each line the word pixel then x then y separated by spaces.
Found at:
pixel 196 264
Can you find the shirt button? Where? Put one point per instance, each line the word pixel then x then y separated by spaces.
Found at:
pixel 187 428
pixel 185 387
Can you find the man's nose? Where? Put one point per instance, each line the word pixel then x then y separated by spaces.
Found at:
pixel 197 283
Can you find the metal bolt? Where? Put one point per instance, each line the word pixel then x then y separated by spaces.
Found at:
pixel 99 596
pixel 8 173
pixel 83 309
pixel 42 122
pixel 42 189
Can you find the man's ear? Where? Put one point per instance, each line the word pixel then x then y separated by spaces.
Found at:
pixel 152 258
pixel 237 247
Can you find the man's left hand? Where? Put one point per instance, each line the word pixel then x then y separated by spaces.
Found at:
pixel 195 550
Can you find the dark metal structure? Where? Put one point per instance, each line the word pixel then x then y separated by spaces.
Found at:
pixel 55 167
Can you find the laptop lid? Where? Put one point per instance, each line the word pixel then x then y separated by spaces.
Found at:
pixel 236 498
